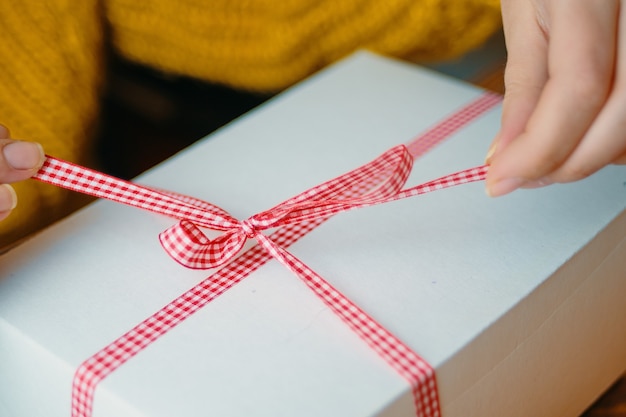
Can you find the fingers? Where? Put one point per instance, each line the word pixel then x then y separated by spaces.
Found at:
pixel 526 70
pixel 18 160
pixel 8 200
pixel 605 141
pixel 581 44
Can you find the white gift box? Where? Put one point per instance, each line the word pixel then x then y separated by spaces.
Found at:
pixel 516 302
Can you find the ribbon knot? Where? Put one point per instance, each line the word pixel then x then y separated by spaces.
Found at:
pixel 248 228
pixel 379 181
pixel 185 242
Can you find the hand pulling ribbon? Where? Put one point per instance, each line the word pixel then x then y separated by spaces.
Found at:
pixel 380 181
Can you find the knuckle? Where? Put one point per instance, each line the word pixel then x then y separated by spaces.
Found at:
pixel 543 164
pixel 542 160
pixel 517 82
pixel 574 172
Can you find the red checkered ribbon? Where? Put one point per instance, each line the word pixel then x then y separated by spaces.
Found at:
pixel 380 181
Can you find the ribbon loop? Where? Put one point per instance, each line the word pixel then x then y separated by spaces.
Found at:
pixel 187 244
pixel 383 177
pixel 386 173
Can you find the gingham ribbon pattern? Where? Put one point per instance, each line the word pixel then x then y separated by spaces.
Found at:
pixel 377 182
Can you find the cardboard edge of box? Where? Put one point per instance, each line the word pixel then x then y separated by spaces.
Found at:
pixel 582 309
pixel 576 350
pixel 44 380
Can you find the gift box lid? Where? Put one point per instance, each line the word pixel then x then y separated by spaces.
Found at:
pixel 481 288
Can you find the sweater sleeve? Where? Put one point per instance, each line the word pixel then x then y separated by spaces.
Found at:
pixel 51 57
pixel 267 45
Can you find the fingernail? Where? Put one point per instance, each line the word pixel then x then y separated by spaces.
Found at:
pixel 490 152
pixel 504 186
pixel 8 198
pixel 542 182
pixel 23 155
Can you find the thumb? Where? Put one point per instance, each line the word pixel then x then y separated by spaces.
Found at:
pixel 19 160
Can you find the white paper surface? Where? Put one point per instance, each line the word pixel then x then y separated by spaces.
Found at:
pixel 467 281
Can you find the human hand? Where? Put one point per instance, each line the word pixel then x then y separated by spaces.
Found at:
pixel 564 111
pixel 19 160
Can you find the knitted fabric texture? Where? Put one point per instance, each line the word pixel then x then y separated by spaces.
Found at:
pixel 50 73
pixel 268 44
pixel 52 58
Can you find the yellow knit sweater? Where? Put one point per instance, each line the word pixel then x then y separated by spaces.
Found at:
pixel 51 58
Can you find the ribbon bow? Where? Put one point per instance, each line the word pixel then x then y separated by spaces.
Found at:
pixel 382 178
pixel 379 181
